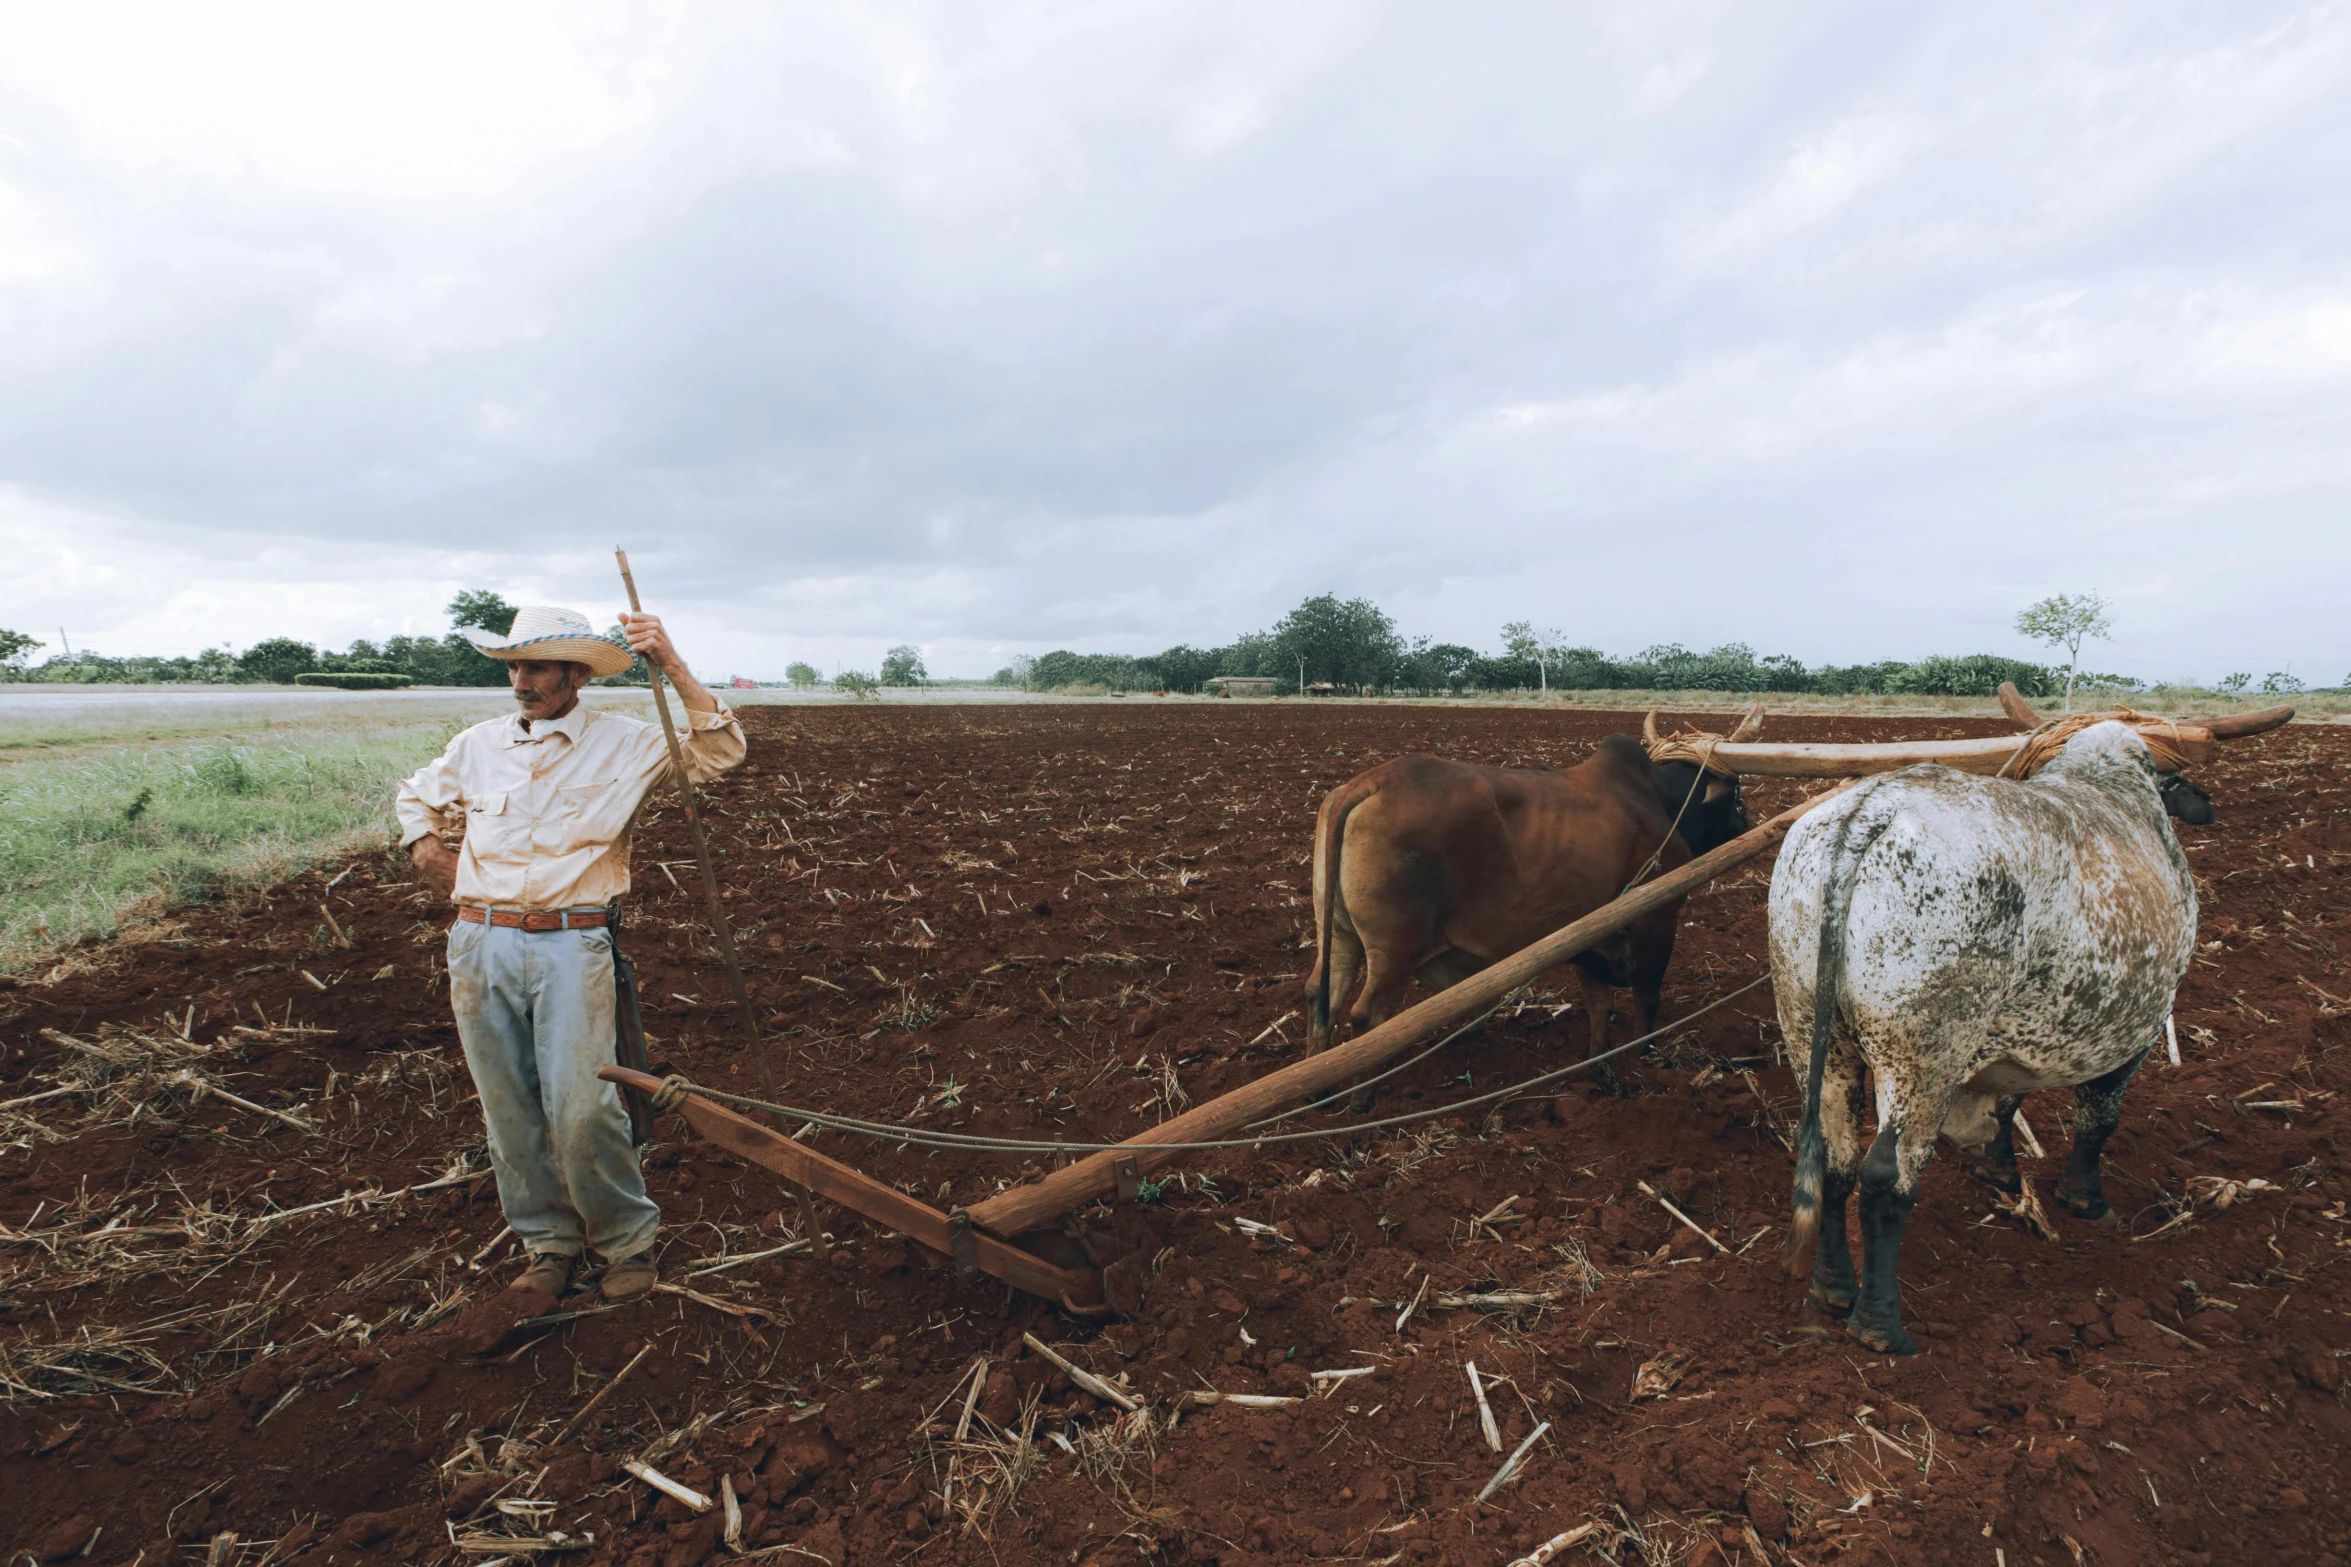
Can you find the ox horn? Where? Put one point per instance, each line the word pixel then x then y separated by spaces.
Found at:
pixel 2236 726
pixel 2019 711
pixel 1751 725
pixel 1649 728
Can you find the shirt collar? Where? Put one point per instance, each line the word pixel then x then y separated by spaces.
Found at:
pixel 569 726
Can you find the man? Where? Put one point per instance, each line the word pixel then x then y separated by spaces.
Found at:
pixel 546 797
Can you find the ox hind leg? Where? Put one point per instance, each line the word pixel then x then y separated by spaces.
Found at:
pixel 1331 984
pixel 1911 1112
pixel 1996 1166
pixel 1833 1284
pixel 2097 1109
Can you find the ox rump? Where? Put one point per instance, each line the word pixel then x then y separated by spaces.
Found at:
pixel 1969 940
pixel 1432 870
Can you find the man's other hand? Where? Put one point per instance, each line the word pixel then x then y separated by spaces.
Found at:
pixel 436 866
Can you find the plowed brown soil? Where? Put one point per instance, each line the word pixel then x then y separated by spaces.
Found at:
pixel 1056 922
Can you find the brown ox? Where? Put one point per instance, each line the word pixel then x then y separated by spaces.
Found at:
pixel 1430 869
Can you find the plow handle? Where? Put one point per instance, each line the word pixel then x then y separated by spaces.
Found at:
pixel 885 1205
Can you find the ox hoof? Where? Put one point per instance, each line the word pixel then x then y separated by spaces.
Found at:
pixel 2000 1177
pixel 2091 1210
pixel 1883 1339
pixel 1834 1302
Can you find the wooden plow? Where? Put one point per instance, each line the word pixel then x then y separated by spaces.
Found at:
pixel 986 1238
pixel 1000 1236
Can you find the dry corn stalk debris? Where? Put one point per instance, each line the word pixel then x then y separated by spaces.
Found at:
pixel 2025 1207
pixel 125 1074
pixel 2218 1191
pixel 1656 1378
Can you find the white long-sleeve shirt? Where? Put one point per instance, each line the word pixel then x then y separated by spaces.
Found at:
pixel 547 809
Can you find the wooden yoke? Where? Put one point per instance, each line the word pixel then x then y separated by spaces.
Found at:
pixel 884 1205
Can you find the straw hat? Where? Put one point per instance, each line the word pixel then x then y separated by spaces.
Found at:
pixel 557 636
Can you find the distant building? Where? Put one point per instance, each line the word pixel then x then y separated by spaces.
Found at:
pixel 1322 688
pixel 741 684
pixel 1240 685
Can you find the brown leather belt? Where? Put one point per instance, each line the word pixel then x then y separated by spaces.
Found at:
pixel 593 919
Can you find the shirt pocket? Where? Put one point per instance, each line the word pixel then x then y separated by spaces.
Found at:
pixel 494 830
pixel 592 813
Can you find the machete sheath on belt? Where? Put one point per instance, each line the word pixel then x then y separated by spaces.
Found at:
pixel 628 1045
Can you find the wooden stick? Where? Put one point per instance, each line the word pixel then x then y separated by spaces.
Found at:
pixel 1509 1470
pixel 1413 1305
pixel 2171 1038
pixel 188 1079
pixel 596 1403
pixel 1477 1390
pixel 1495 1300
pixel 1044 1201
pixel 724 1263
pixel 971 1400
pixel 2032 1144
pixel 34 1099
pixel 1206 1396
pixel 1491 1217
pixel 1541 1555
pixel 712 1301
pixel 666 1486
pixel 884 1205
pixel 1086 1380
pixel 1324 1381
pixel 718 913
pixel 1767 759
pixel 1687 1222
pixel 733 1534
pixel 341 940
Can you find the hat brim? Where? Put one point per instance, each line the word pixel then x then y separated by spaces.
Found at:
pixel 601 657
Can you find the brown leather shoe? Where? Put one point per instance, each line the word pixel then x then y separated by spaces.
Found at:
pixel 629 1277
pixel 548 1274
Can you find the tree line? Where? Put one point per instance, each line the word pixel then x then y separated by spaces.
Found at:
pixel 426 661
pixel 1354 645
pixel 1326 642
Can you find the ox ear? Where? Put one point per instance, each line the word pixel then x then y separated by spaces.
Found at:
pixel 1749 726
pixel 1649 728
pixel 1719 789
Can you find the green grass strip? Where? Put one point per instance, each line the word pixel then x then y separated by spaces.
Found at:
pixel 86 841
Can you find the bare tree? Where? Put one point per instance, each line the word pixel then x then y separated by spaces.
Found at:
pixel 1521 640
pixel 2065 620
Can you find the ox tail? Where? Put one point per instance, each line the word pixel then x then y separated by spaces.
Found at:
pixel 1330 830
pixel 1853 839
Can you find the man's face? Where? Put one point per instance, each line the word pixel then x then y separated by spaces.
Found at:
pixel 546 690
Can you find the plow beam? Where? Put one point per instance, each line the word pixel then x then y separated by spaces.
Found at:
pixel 886 1206
pixel 1045 1200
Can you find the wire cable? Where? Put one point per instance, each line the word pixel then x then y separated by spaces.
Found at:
pixel 675 1088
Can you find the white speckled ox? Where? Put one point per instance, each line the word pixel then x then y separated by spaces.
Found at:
pixel 1970 940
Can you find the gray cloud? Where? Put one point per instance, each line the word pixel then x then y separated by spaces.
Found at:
pixel 1838 330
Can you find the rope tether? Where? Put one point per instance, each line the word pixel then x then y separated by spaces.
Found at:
pixel 675 1087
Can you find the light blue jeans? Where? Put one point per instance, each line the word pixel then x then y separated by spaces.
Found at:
pixel 535 1013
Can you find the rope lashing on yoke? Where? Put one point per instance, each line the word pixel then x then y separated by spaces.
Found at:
pixel 1688 745
pixel 676 1087
pixel 2172 750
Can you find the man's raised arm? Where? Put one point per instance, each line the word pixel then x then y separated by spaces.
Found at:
pixel 713 741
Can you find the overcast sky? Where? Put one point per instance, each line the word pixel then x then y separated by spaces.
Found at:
pixel 1843 331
